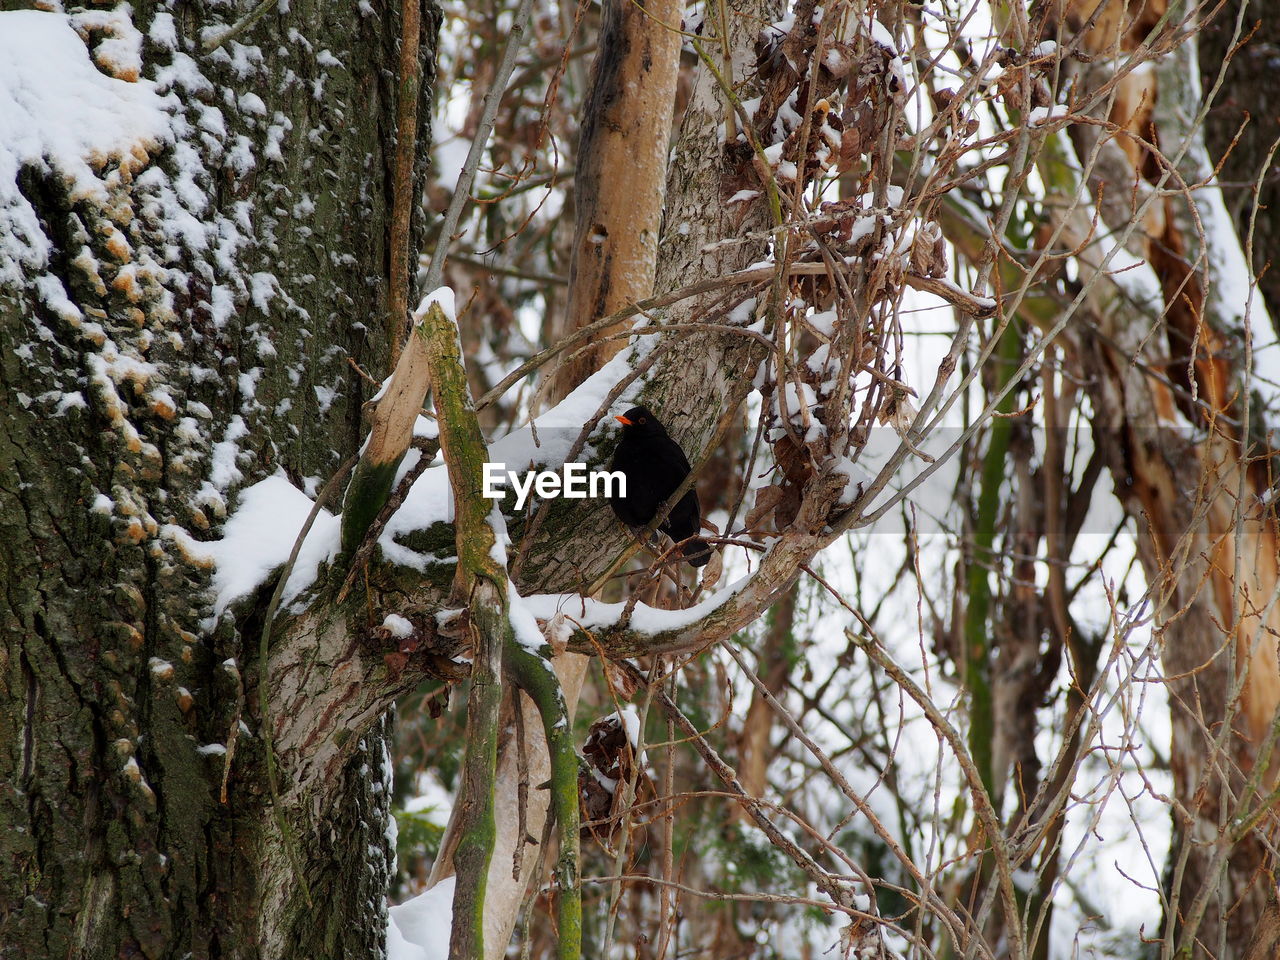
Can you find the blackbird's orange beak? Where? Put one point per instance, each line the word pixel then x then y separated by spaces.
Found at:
pixel 621 419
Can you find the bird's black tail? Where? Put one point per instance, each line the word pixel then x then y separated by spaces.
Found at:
pixel 697 552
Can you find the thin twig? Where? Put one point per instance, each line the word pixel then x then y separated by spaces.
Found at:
pixel 462 191
pixel 240 26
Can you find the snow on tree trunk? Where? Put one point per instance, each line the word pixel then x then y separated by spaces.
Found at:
pixel 619 196
pixel 1245 149
pixel 1183 456
pixel 176 315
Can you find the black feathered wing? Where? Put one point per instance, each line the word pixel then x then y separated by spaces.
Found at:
pixel 655 466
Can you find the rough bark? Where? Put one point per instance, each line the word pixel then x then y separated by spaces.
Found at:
pixel 117 666
pixel 114 840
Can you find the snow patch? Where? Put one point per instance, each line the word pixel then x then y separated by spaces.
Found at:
pixel 598 615
pixel 523 622
pixel 1042 115
pixel 630 721
pixel 431 797
pixel 59 113
pixel 442 296
pixel 258 539
pixel 419 929
pixel 397 626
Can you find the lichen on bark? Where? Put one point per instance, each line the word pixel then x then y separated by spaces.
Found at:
pixel 203 361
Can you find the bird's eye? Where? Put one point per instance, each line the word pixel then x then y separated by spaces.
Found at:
pixel 644 419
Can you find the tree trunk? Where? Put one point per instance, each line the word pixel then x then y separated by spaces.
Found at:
pixel 240 253
pixel 1245 159
pixel 621 173
pixel 1181 457
pixel 199 316
pixel 619 188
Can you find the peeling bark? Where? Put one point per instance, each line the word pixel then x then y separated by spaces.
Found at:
pixel 621 172
pixel 1184 464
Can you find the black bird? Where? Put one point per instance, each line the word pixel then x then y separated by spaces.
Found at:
pixel 655 466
